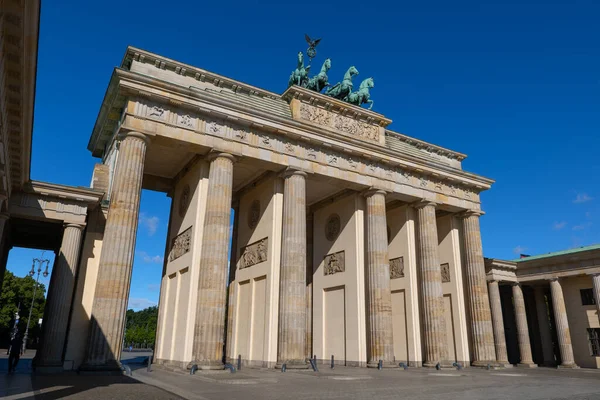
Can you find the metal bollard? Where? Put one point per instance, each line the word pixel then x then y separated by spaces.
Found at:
pixel 283 367
pixel 194 369
pixel 488 367
pixel 457 365
pixel 380 365
pixel 127 369
pixel 403 365
pixel 438 366
pixel 149 367
pixel 332 361
pixel 313 364
pixel 239 362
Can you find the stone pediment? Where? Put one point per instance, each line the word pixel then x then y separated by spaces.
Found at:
pixel 345 119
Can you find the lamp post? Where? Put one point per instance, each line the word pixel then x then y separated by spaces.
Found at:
pixel 40 262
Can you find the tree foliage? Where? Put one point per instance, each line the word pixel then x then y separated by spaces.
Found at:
pixel 141 327
pixel 17 292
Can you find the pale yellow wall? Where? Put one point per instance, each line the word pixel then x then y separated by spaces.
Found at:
pixel 405 304
pixel 179 284
pixel 580 318
pixel 456 320
pixel 84 291
pixel 339 299
pixel 256 294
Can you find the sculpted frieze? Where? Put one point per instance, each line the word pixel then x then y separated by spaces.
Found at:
pixel 334 263
pixel 181 244
pixel 254 253
pixel 397 268
pixel 445 270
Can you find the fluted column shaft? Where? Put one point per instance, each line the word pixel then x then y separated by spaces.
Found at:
pixel 291 349
pixel 309 282
pixel 432 296
pixel 562 325
pixel 498 323
pixel 522 327
pixel 116 261
pixel 378 293
pixel 596 288
pixel 60 293
pixel 478 300
pixel 209 327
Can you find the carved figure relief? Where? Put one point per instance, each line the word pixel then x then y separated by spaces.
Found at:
pixel 181 244
pixel 265 140
pixel 332 159
pixel 254 253
pixel 213 127
pixel 334 263
pixel 156 111
pixel 397 268
pixel 332 227
pixel 184 200
pixel 241 134
pixel 254 214
pixel 445 268
pixel 311 153
pixel 185 120
pixel 289 147
pixel 315 114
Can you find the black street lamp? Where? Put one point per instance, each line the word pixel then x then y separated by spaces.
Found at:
pixel 40 262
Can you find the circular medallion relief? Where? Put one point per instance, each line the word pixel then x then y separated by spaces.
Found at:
pixel 332 227
pixel 254 214
pixel 184 200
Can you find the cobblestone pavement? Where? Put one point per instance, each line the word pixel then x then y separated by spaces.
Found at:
pixel 362 383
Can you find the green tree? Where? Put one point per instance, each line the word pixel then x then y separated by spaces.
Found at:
pixel 141 327
pixel 19 291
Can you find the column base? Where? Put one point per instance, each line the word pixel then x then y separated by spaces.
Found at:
pixel 385 364
pixel 206 365
pixel 484 364
pixel 568 366
pixel 527 365
pixel 48 368
pixel 443 364
pixel 112 367
pixel 293 364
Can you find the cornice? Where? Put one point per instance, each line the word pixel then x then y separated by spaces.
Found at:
pixel 158 91
pixel 419 144
pixel 75 193
pixel 134 53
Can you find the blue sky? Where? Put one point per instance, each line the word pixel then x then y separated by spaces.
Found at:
pixel 513 84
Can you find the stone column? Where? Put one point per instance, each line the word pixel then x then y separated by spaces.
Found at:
pixel 522 327
pixel 562 325
pixel 291 349
pixel 116 260
pixel 478 300
pixel 432 296
pixel 4 248
pixel 309 281
pixel 209 329
pixel 596 283
pixel 58 306
pixel 378 293
pixel 544 324
pixel 498 323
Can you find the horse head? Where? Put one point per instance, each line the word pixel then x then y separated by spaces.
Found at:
pixel 352 71
pixel 367 84
pixel 326 65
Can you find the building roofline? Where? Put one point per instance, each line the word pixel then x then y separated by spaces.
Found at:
pixel 559 253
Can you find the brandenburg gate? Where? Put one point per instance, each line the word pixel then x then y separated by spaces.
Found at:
pixel 349 240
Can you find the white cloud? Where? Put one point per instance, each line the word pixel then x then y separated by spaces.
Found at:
pixel 153 287
pixel 582 226
pixel 581 198
pixel 519 249
pixel 148 259
pixel 557 226
pixel 150 223
pixel 137 303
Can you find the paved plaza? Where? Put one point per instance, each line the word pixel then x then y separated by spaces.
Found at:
pixel 339 383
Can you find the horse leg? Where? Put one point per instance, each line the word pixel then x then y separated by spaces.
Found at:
pixel 370 102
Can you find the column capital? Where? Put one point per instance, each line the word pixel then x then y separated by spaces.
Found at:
pixel 470 213
pixel 73 225
pixel 289 171
pixel 216 154
pixel 515 284
pixel 592 274
pixel 134 134
pixel 553 279
pixel 373 191
pixel 424 203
